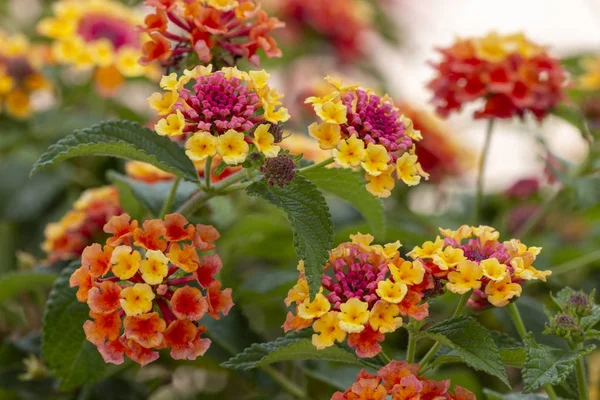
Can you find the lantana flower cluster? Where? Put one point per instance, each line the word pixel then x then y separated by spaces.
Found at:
pixel 223 112
pixel 78 228
pixel 508 73
pixel 366 290
pixel 401 380
pixel 472 258
pixel 148 173
pixel 101 35
pixel 215 30
pixel 21 78
pixel 590 78
pixel 365 130
pixel 148 288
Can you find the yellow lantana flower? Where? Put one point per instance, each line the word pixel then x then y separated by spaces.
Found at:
pixel 353 316
pixel 389 250
pixel 463 232
pixel 467 277
pixel 381 185
pixel 201 146
pixel 449 257
pixel 125 262
pixel 485 234
pixel 392 292
pixel 384 317
pixel 172 125
pixel 410 273
pixel 127 62
pixel 524 269
pixel 170 82
pixel 428 250
pixel 137 299
pixel 328 135
pixel 493 269
pixel 264 141
pixel 328 331
pixel 155 267
pixel 232 147
pixel 500 293
pixel 409 170
pixel 332 111
pixel 314 309
pixel 163 103
pixel 350 153
pixel 410 130
pixel 376 159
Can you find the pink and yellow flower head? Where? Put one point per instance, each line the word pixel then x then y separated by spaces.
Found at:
pixel 148 173
pixel 149 287
pixel 221 113
pixel 401 380
pixel 510 74
pixel 473 258
pixel 67 238
pixel 208 28
pixel 21 78
pixel 364 296
pixel 365 130
pixel 101 35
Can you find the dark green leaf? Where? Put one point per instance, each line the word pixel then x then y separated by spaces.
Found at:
pixel 545 365
pixel 573 115
pixel 68 354
pixel 491 395
pixel 311 222
pixel 511 349
pixel 124 139
pixel 350 186
pixel 14 283
pixel 560 298
pixel 471 342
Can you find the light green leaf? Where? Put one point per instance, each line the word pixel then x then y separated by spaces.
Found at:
pixel 290 347
pixel 124 139
pixel 153 195
pixel 491 395
pixel 547 365
pixel 70 357
pixel 14 283
pixel 471 342
pixel 311 222
pixel 350 186
pixel 560 298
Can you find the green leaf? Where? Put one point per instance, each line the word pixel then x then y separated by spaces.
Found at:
pixel 491 395
pixel 591 320
pixel 560 298
pixel 587 191
pixel 68 354
pixel 153 195
pixel 15 283
pixel 573 115
pixel 511 349
pixel 350 186
pixel 124 139
pixel 471 342
pixel 547 365
pixel 289 347
pixel 311 222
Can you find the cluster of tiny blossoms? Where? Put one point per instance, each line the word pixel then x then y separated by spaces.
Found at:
pixel 20 75
pixel 148 173
pixel 401 380
pixel 365 130
pixel 472 258
pixel 509 73
pixel 222 30
pixel 97 34
pixel 222 112
pixel 369 290
pixel 147 288
pixel 78 228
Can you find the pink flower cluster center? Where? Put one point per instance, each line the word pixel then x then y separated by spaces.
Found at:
pixel 93 27
pixel 220 103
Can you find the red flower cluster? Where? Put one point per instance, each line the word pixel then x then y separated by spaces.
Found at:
pixel 509 73
pixel 208 27
pixel 67 238
pixel 155 266
pixel 401 380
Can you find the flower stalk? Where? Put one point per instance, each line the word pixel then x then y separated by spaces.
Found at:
pixel 481 171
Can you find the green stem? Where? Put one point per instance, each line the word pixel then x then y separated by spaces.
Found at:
pixel 581 375
pixel 518 321
pixel 533 220
pixel 481 171
pixel 169 202
pixel 284 382
pixel 385 357
pixel 576 264
pixel 459 310
pixel 318 165
pixel 413 328
pixel 208 172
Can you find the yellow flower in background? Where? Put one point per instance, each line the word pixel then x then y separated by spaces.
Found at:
pixel 353 315
pixel 493 269
pixel 200 146
pixel 137 299
pixel 327 330
pixel 590 78
pixel 376 159
pixel 264 141
pixel 314 309
pixel 384 317
pixel 491 47
pixel 163 103
pixel 500 293
pixel 410 273
pixel 467 277
pixel 381 185
pixel 171 125
pixel 350 153
pixel 125 262
pixel 392 292
pixel 448 257
pixel 232 147
pixel 327 134
pixel 155 267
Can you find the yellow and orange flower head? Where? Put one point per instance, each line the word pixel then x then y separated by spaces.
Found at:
pixel 590 78
pixel 98 35
pixel 510 74
pixel 21 77
pixel 67 238
pixel 227 113
pixel 367 131
pixel 208 28
pixel 473 258
pixel 150 287
pixel 401 380
pixel 369 290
